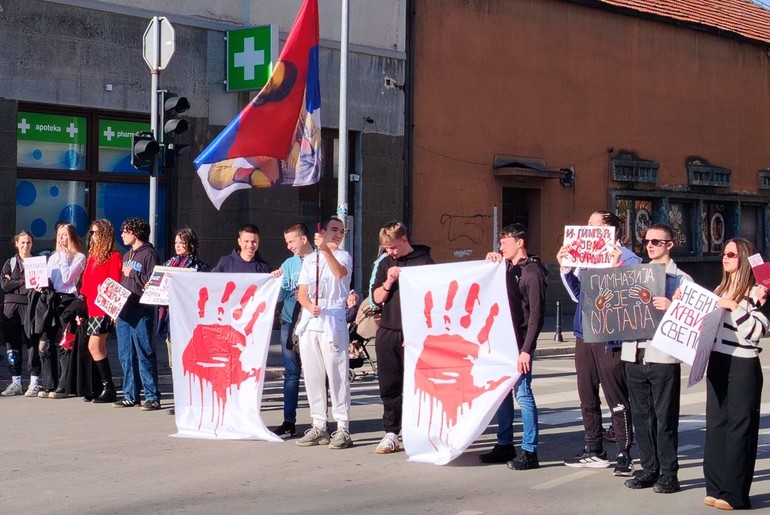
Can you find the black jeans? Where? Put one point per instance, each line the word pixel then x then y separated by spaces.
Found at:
pixel 390 372
pixel 733 393
pixel 595 364
pixel 653 391
pixel 16 339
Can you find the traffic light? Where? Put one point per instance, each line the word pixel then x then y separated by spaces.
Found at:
pixel 172 126
pixel 144 148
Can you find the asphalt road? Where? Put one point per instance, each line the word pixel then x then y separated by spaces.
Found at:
pixel 65 456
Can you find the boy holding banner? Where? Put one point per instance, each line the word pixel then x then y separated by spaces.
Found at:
pixel 526 286
pixel 654 383
pixel 597 364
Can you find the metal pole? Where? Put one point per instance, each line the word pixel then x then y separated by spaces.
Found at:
pixel 154 73
pixel 557 336
pixel 495 231
pixel 342 173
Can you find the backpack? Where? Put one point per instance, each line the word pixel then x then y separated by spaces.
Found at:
pixel 367 320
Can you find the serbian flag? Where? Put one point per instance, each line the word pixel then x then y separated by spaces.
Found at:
pixel 276 139
pixel 460 355
pixel 220 335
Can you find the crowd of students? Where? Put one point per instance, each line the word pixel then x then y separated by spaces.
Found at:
pixel 63 333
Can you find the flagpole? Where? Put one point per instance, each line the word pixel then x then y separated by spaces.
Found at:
pixel 342 172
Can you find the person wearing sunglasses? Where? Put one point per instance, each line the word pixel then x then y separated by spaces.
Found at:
pixel 654 383
pixel 597 363
pixel 734 382
pixel 103 263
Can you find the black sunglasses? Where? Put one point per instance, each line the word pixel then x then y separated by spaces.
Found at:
pixel 656 243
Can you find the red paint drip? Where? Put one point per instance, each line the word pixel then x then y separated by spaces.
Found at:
pixel 247 296
pixel 428 309
pixel 213 356
pixel 450 297
pixel 484 333
pixel 250 326
pixel 229 289
pixel 203 298
pixel 470 302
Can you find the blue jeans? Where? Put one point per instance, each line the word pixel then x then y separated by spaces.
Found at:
pixel 291 371
pixel 526 401
pixel 137 353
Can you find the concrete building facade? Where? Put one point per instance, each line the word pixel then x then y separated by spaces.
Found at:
pixel 77 64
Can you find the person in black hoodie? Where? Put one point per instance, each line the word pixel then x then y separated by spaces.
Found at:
pixel 245 258
pixel 526 286
pixel 134 325
pixel 389 342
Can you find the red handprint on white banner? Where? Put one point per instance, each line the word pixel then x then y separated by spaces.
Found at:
pixel 213 354
pixel 444 370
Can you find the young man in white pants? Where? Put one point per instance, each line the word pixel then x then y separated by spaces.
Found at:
pixel 324 284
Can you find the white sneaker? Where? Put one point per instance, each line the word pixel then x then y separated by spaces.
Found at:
pixel 13 389
pixel 388 444
pixel 33 390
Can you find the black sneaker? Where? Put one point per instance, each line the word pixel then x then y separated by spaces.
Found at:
pixel 499 454
pixel 643 480
pixel 624 465
pixel 124 403
pixel 589 459
pixel 667 484
pixel 151 406
pixel 524 461
pixel 286 430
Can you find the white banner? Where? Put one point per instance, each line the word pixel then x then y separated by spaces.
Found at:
pixel 683 332
pixel 220 332
pixel 460 355
pixel 157 288
pixel 35 272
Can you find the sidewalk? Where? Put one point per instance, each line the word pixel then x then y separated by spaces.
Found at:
pixel 546 346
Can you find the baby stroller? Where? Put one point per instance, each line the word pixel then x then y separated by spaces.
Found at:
pixel 362 331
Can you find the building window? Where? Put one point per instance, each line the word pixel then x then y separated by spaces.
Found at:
pixel 74 164
pixel 753 225
pixel 636 214
pixel 714 220
pixel 701 173
pixel 627 167
pixel 680 218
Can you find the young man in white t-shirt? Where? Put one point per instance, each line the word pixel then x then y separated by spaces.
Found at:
pixel 324 284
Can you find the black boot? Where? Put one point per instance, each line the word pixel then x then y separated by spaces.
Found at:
pixel 107 395
pixel 108 388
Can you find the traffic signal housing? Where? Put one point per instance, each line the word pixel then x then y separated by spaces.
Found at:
pixel 173 126
pixel 144 149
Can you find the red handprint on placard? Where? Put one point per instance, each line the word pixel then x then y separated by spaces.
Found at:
pixel 444 370
pixel 574 249
pixel 213 354
pixel 603 298
pixel 641 293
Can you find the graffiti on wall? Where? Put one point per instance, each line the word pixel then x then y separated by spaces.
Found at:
pixel 471 227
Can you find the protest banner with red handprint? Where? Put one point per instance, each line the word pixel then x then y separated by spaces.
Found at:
pixel 460 355
pixel 220 332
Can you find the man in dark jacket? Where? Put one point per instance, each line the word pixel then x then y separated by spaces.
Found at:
pixel 526 286
pixel 245 258
pixel 134 324
pixel 389 342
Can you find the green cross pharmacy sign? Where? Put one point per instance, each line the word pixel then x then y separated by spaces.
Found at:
pixel 251 54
